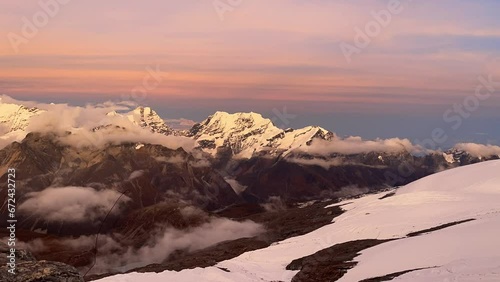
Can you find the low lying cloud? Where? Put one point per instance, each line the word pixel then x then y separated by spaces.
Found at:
pixel 356 145
pixel 71 204
pixel 274 204
pixel 81 124
pixel 208 234
pixel 177 159
pixel 326 164
pixel 479 150
pixel 11 137
pixel 4 129
pixel 106 244
pixel 136 174
pixel 132 134
pixel 350 191
pixel 76 126
pixel 114 255
pixel 198 162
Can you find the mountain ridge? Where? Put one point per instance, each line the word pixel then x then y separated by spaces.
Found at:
pixel 252 169
pixel 16 117
pixel 223 134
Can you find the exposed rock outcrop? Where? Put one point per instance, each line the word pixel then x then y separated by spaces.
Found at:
pixel 28 269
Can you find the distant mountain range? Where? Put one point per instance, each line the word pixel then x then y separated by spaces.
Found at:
pixel 242 135
pixel 139 173
pixel 247 151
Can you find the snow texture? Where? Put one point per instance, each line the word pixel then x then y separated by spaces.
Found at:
pixel 466 252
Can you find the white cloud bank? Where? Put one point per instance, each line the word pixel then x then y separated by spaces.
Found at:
pixel 71 204
pixel 208 234
pixel 115 256
pixel 356 145
pixel 11 137
pixel 479 150
pixel 62 119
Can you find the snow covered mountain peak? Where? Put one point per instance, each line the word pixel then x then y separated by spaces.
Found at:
pixel 145 111
pixel 226 121
pixel 248 134
pixel 16 117
pixel 242 134
pixel 148 118
pixel 318 131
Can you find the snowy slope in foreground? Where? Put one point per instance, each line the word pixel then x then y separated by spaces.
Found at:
pixel 465 252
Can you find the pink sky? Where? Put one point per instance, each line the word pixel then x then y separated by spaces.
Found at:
pixel 429 53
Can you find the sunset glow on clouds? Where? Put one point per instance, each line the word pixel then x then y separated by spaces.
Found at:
pixel 429 55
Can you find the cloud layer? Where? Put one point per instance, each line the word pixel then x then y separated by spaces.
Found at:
pixel 71 204
pixel 356 145
pixel 479 150
pixel 114 255
pixel 81 122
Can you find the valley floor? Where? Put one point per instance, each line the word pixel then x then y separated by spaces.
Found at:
pixel 453 219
